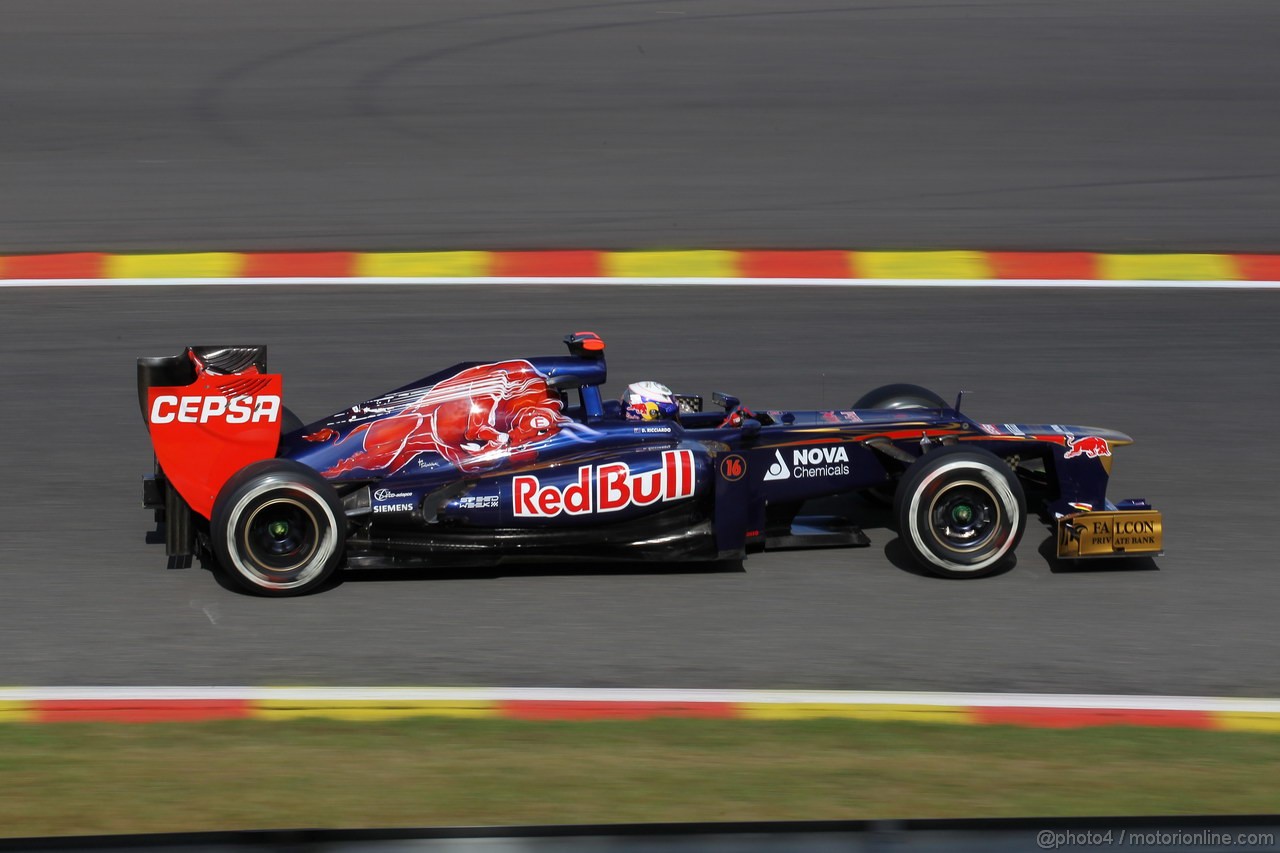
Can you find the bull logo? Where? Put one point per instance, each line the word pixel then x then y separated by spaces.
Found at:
pixel 1091 446
pixel 480 418
pixel 1071 533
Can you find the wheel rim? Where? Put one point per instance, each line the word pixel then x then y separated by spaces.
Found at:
pixel 964 516
pixel 280 535
pixel 284 538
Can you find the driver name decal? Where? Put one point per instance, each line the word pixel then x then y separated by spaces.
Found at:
pixel 605 488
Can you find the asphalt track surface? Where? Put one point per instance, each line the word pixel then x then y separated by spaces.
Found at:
pixel 1102 125
pixel 385 124
pixel 1192 375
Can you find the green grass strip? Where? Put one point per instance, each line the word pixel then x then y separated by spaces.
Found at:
pixel 96 778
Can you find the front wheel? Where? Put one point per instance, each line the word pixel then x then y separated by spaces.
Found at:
pixel 896 397
pixel 278 528
pixel 961 512
pixel 900 395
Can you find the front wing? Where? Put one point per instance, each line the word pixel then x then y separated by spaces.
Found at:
pixel 1111 533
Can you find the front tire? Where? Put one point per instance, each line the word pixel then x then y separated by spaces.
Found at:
pixel 900 395
pixel 895 397
pixel 278 529
pixel 961 512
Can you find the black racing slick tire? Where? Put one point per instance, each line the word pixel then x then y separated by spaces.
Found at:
pixel 961 512
pixel 278 529
pixel 900 395
pixel 289 422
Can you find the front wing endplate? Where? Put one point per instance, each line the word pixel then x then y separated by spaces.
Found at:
pixel 1122 533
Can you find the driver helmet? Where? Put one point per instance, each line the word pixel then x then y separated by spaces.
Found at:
pixel 649 401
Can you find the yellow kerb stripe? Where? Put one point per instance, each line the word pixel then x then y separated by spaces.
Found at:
pixel 691 264
pixel 370 710
pixel 815 711
pixel 190 265
pixel 921 265
pixel 423 264
pixel 1168 267
pixel 1247 721
pixel 16 712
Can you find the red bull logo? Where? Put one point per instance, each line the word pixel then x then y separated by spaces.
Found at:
pixel 1091 446
pixel 478 419
pixel 645 410
pixel 606 488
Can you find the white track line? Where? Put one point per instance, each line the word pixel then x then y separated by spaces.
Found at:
pixel 650 282
pixel 545 694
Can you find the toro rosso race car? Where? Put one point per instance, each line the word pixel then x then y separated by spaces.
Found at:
pixel 526 459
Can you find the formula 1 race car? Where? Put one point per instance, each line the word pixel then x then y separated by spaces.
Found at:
pixel 525 459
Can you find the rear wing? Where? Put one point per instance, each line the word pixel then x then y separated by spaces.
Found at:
pixel 210 412
pixel 178 370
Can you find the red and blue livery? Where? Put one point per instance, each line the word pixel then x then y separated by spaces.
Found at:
pixel 526 459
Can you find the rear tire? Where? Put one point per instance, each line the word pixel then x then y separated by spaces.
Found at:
pixel 289 422
pixel 961 512
pixel 278 529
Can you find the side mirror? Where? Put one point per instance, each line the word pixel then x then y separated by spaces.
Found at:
pixel 750 427
pixel 728 401
pixel 688 403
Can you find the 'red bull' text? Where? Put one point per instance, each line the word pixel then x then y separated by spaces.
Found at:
pixel 606 488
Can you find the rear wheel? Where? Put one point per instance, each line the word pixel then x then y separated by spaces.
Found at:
pixel 961 513
pixel 900 395
pixel 278 528
pixel 289 422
